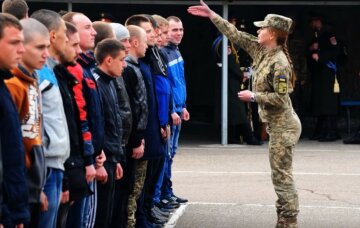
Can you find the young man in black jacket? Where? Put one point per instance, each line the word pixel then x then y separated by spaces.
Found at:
pixel 136 89
pixel 110 56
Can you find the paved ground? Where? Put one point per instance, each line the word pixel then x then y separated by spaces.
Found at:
pixel 230 186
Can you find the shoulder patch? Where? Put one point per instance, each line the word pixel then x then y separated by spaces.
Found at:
pixel 282 87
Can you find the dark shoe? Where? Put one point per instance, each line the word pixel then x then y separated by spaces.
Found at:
pixel 155 218
pixel 161 212
pixel 169 203
pixel 328 138
pixel 234 141
pixel 254 141
pixel 352 140
pixel 315 137
pixel 164 208
pixel 178 199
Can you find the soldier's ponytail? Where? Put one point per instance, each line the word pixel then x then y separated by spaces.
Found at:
pixel 293 75
pixel 281 38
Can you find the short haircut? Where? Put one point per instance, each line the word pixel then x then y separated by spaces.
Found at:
pixel 103 31
pixel 70 16
pixel 160 20
pixel 51 19
pixel 63 12
pixel 31 27
pixel 173 18
pixel 70 29
pixel 136 20
pixel 135 31
pixel 108 47
pixel 152 20
pixel 18 8
pixel 8 20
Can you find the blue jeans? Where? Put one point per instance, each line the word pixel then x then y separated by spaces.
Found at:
pixel 159 183
pixel 53 190
pixel 166 187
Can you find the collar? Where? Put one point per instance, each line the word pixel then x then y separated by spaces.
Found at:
pixel 51 62
pixel 21 73
pixel 172 45
pixel 102 74
pixel 5 74
pixel 64 74
pixel 87 59
pixel 131 59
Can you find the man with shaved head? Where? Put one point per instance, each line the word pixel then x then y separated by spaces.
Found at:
pixel 136 89
pixel 26 94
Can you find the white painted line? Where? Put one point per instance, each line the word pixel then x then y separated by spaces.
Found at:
pixel 267 173
pixel 260 149
pixel 175 217
pixel 269 205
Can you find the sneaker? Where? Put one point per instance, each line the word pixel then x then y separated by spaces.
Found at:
pixel 169 203
pixel 161 212
pixel 178 199
pixel 154 217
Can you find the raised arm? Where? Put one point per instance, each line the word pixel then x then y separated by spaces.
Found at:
pixel 246 41
pixel 202 10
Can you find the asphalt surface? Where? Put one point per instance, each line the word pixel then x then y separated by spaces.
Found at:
pixel 230 186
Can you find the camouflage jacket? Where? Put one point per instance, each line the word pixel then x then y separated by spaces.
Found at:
pixel 271 73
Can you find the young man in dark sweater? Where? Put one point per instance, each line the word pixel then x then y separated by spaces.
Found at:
pixel 15 199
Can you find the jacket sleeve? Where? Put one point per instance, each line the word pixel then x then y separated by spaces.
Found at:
pixel 281 87
pixel 245 40
pixel 81 104
pixel 131 80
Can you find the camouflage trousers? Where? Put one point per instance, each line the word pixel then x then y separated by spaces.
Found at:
pixel 283 138
pixel 140 174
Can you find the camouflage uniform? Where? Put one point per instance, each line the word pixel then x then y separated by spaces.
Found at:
pixel 140 173
pixel 271 85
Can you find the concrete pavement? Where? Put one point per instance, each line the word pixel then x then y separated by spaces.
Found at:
pixel 230 186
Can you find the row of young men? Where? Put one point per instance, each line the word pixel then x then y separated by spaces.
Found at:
pixel 98 143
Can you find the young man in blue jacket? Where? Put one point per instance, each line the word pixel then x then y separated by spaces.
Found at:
pixel 179 111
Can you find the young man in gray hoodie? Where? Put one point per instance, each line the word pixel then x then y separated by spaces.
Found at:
pixel 56 136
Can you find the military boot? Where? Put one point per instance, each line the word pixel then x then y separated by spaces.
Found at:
pixel 290 222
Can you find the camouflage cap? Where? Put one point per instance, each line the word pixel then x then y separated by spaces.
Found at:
pixel 276 21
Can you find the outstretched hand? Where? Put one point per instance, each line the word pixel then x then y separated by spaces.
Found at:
pixel 201 10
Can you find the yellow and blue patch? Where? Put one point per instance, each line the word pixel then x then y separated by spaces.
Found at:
pixel 282 87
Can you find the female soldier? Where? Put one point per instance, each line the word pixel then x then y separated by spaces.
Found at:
pixel 272 84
